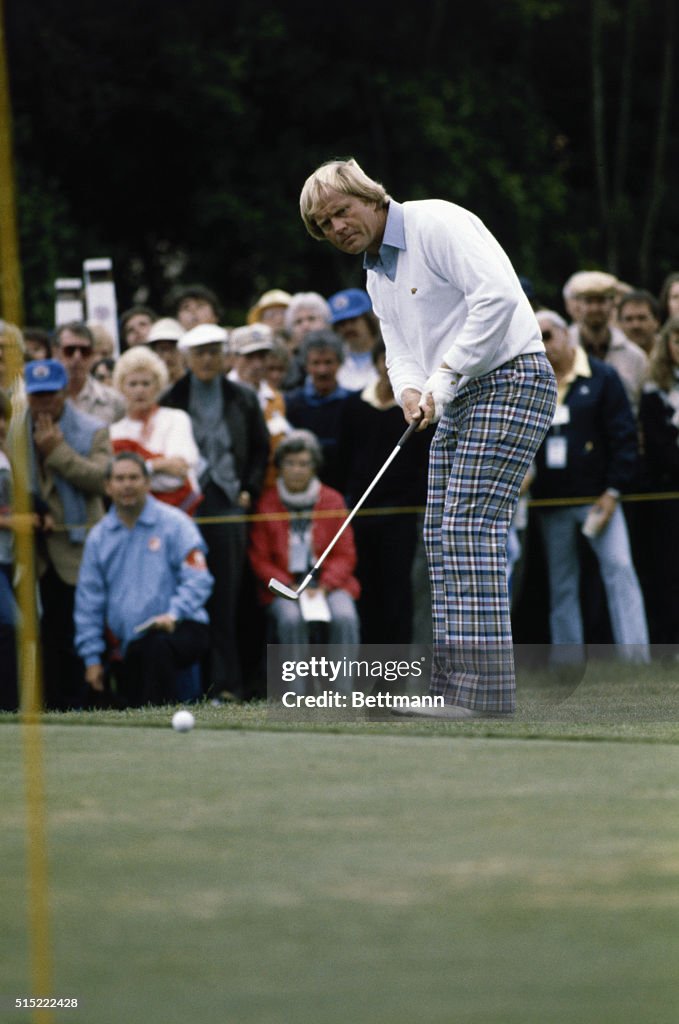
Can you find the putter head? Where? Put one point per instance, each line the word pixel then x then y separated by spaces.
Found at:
pixel 276 587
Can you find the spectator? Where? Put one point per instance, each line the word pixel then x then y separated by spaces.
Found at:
pixel 70 451
pixel 162 437
pixel 276 364
pixel 250 347
pixel 74 348
pixel 8 676
pixel 639 319
pixel 143 580
pixel 270 309
pixel 307 312
pixel 12 355
pixel 102 371
pixel 232 437
pixel 37 343
pixel 317 404
pixel 591 449
pixel 287 548
pixel 370 426
pixel 668 299
pixel 529 291
pixel 357 325
pixel 135 324
pixel 621 290
pixel 104 345
pixel 594 295
pixel 10 522
pixel 659 416
pixel 194 304
pixel 163 339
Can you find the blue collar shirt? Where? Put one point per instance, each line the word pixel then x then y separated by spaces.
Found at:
pixel 394 240
pixel 128 576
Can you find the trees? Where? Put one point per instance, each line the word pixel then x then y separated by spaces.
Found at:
pixel 178 136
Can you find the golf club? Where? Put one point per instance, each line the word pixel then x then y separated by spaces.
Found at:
pixel 276 587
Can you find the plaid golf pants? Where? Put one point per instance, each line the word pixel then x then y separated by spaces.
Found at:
pixel 482 449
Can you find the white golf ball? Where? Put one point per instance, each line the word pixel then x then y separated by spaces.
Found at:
pixel 183 720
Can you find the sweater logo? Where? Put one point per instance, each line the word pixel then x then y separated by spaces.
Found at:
pixel 413 291
pixel 154 544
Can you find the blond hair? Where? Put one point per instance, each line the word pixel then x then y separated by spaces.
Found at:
pixel 140 359
pixel 662 365
pixel 344 176
pixel 13 355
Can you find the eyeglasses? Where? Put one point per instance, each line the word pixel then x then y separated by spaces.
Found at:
pixel 547 335
pixel 70 350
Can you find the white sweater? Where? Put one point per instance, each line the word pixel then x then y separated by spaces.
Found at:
pixel 456 299
pixel 165 432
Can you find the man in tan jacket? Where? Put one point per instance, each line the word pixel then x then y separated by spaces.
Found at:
pixel 69 452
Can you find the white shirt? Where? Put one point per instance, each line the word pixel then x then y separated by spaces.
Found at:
pixel 356 371
pixel 455 298
pixel 166 432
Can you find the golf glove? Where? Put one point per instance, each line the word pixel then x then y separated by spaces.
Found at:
pixel 442 386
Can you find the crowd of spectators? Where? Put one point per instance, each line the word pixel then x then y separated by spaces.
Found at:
pixel 169 483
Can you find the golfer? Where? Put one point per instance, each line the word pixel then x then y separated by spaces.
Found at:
pixel 464 350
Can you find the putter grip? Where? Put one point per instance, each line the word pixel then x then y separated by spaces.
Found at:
pixel 412 427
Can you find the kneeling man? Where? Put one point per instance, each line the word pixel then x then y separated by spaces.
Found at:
pixel 142 588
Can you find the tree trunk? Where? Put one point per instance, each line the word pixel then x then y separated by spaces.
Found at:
pixel 599 121
pixel 657 181
pixel 622 137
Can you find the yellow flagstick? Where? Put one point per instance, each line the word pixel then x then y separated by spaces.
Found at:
pixel 28 649
pixel 10 274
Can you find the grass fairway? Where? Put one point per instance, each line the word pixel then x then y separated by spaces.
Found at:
pixel 384 875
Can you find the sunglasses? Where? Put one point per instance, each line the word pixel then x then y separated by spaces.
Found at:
pixel 70 350
pixel 547 335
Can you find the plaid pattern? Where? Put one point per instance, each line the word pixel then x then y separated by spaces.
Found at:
pixel 482 449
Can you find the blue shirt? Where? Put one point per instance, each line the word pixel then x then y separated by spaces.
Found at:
pixel 130 575
pixel 393 240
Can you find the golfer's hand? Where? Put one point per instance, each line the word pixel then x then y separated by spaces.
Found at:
pixel 439 389
pixel 417 406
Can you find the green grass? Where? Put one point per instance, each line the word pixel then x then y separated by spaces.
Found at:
pixel 257 872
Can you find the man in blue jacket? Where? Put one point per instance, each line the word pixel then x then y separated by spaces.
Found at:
pixel 142 588
pixel 590 452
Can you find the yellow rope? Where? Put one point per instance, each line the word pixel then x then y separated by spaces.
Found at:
pixel 395 510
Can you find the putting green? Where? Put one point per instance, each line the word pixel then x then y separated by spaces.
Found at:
pixel 261 877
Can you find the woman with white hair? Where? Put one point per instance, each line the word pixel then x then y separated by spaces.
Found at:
pixel 307 312
pixel 163 437
pixel 298 518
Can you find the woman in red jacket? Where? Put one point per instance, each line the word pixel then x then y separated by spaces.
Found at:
pixel 286 545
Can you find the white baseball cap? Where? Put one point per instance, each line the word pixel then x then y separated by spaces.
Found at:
pixel 254 338
pixel 204 334
pixel 165 329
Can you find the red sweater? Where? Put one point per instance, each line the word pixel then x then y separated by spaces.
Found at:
pixel 270 539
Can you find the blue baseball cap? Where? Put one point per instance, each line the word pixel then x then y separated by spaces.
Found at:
pixel 44 375
pixel 348 304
